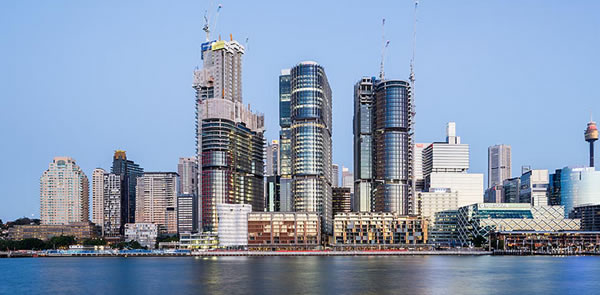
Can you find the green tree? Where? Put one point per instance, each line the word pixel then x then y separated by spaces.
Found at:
pixel 61 242
pixel 94 242
pixel 478 241
pixel 31 244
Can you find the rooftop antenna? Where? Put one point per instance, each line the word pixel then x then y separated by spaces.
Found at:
pixel 385 45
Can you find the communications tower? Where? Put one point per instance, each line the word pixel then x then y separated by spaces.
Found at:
pixel 591 135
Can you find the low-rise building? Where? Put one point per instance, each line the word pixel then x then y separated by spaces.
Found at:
pixel 589 215
pixel 298 230
pixel 79 230
pixel 143 233
pixel 563 242
pixel 385 229
pixel 477 221
pixel 199 241
pixel 233 224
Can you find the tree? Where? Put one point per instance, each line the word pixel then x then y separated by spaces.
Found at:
pixel 31 244
pixel 61 242
pixel 94 242
pixel 478 241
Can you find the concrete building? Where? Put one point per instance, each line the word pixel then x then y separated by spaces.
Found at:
pixel 143 233
pixel 129 171
pixel 342 200
pixel 233 224
pixel 335 175
pixel 157 200
pixel 79 230
pixel 311 129
pixel 436 201
pixel 291 230
pixel 382 229
pixel 499 164
pixel 273 154
pixel 589 216
pixel 479 220
pixel 187 168
pixel 64 193
pixel 469 186
pixel 199 241
pixel 534 188
pixel 187 213
pixel 106 201
pixel 229 136
pixel 418 166
pixel 446 157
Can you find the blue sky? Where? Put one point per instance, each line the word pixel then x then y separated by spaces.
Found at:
pixel 83 78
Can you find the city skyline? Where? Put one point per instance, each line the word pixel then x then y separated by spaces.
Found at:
pixel 433 110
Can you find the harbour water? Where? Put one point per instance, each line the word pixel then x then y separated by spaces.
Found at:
pixel 302 275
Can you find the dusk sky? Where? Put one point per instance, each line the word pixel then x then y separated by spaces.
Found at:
pixel 83 78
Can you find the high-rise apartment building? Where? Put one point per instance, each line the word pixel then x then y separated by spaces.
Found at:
pixel 335 175
pixel 499 164
pixel 272 167
pixel 156 200
pixel 311 130
pixel 363 144
pixel 187 213
pixel 187 168
pixel 229 136
pixel 129 172
pixel 64 193
pixel 106 202
pixel 347 179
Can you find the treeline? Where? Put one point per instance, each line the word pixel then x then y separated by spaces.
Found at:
pixel 60 242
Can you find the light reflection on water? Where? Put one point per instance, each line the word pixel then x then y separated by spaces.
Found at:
pixel 302 275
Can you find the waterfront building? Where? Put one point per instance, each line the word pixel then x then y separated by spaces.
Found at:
pixel 297 230
pixel 64 193
pixel 380 229
pixel 233 224
pixel 469 186
pixel 129 171
pixel 444 230
pixel 272 167
pixel 106 202
pixel 363 144
pixel 199 241
pixel 579 186
pixel 563 242
pixel 311 129
pixel 589 216
pixel 187 213
pixel 187 168
pixel 229 136
pixel 341 200
pixel 479 220
pixel 499 164
pixel 79 230
pixel 157 200
pixel 511 190
pixel 494 194
pixel 143 233
pixel 436 201
pixel 272 192
pixel 335 175
pixel 534 187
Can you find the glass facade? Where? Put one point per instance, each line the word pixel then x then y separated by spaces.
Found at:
pixel 129 172
pixel 363 144
pixel 579 186
pixel 285 141
pixel 310 106
pixel 392 146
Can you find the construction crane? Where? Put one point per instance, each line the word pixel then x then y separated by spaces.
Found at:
pixel 384 46
pixel 207 27
pixel 413 111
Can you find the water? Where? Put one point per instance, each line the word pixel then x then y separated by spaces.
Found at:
pixel 302 275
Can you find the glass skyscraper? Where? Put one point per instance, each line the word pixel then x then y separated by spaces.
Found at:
pixel 129 172
pixel 285 122
pixel 579 186
pixel 311 141
pixel 363 144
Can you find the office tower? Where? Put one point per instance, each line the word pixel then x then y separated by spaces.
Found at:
pixel 129 172
pixel 534 188
pixel 579 186
pixel 493 194
pixel 499 164
pixel 511 190
pixel 272 194
pixel 229 136
pixel 554 188
pixel 187 213
pixel 591 135
pixel 156 200
pixel 187 168
pixel 446 157
pixel 106 202
pixel 311 141
pixel 363 144
pixel 347 179
pixel 273 158
pixel 286 199
pixel 64 193
pixel 285 142
pixel 392 147
pixel 341 200
pixel 418 166
pixel 335 175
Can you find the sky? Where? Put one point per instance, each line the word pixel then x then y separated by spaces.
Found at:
pixel 84 78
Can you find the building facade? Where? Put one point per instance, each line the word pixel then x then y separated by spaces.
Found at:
pixel 79 230
pixel 233 224
pixel 335 175
pixel 157 200
pixel 364 101
pixel 273 154
pixel 379 229
pixel 129 171
pixel 187 213
pixel 499 164
pixel 534 187
pixel 341 200
pixel 272 194
pixel 511 190
pixel 143 233
pixel 64 193
pixel 297 230
pixel 106 196
pixel 579 186
pixel 589 216
pixel 229 136
pixel 187 168
pixel 311 129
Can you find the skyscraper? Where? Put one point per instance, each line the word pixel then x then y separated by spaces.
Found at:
pixel 499 164
pixel 335 175
pixel 156 200
pixel 129 172
pixel 311 141
pixel 106 202
pixel 187 168
pixel 273 158
pixel 363 144
pixel 285 141
pixel 229 136
pixel 64 193
pixel 347 179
